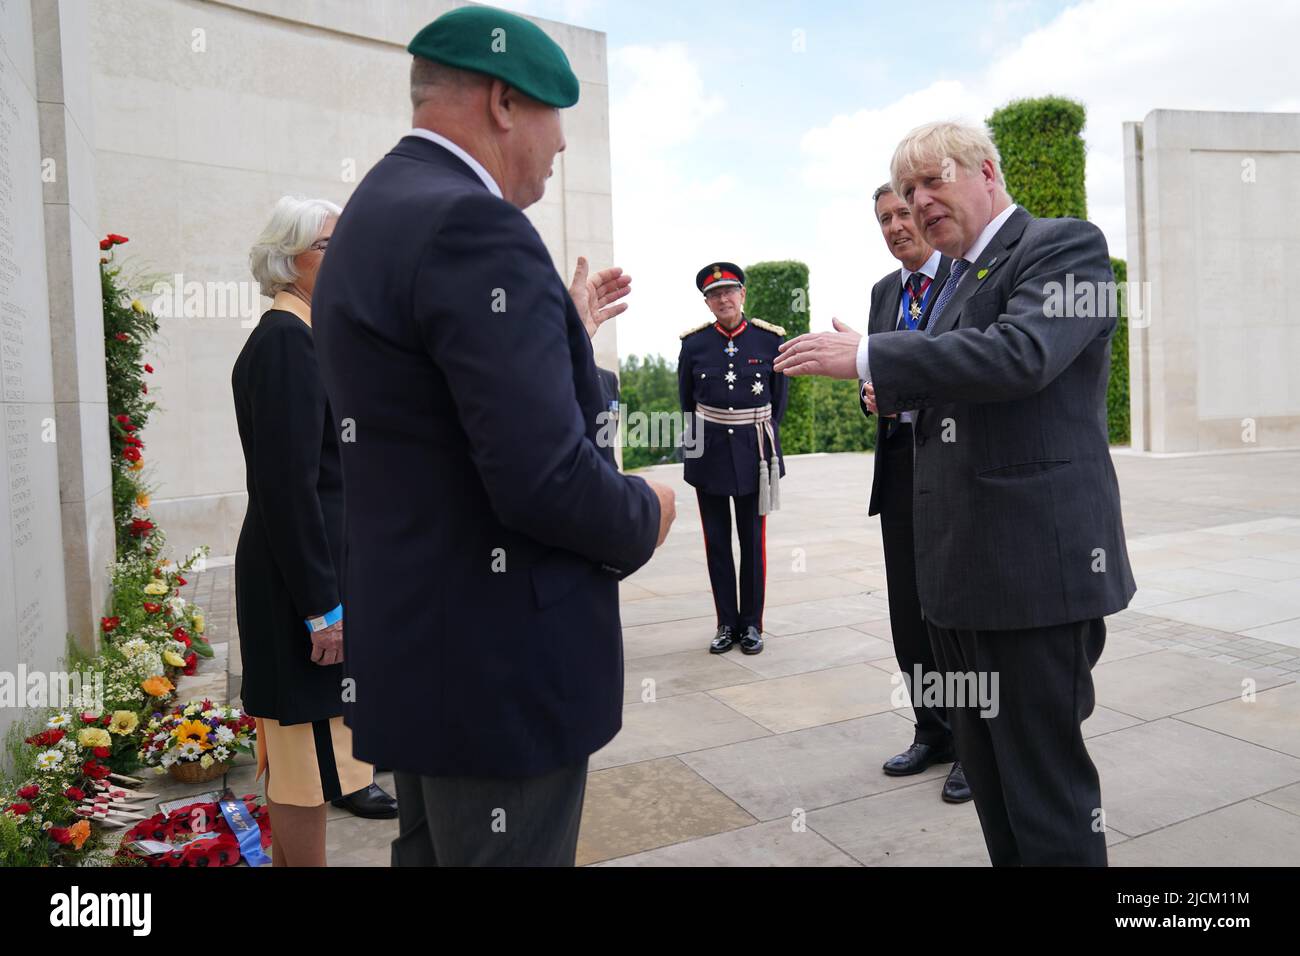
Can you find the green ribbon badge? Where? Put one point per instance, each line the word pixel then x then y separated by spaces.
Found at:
pixel 979 276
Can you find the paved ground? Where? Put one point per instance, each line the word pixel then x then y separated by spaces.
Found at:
pixel 775 759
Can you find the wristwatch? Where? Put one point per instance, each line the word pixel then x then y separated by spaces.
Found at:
pixel 328 619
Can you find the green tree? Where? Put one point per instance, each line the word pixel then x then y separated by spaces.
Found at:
pixel 1117 392
pixel 648 385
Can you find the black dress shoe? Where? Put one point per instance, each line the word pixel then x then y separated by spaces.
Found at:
pixel 916 759
pixel 372 803
pixel 723 640
pixel 752 641
pixel 955 788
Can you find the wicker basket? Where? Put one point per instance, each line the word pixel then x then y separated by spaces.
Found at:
pixel 193 772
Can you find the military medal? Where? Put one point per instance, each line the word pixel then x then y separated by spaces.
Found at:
pixel 914 306
pixel 731 348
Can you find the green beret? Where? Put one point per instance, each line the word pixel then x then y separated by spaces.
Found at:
pixel 500 44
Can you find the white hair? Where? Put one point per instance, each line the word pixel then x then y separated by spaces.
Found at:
pixel 295 224
pixel 938 144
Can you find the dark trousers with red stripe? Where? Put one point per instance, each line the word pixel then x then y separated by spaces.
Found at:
pixel 751 529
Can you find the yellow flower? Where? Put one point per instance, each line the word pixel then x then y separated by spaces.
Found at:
pixel 94 737
pixel 124 722
pixel 156 587
pixel 137 305
pixel 206 761
pixel 172 658
pixel 142 500
pixel 198 623
pixel 193 731
pixel 137 465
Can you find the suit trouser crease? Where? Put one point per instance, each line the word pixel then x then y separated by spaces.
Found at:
pixel 1037 791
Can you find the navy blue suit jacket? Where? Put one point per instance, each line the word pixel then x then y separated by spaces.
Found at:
pixel 485 530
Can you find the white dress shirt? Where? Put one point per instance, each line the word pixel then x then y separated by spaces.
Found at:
pixel 972 254
pixel 463 156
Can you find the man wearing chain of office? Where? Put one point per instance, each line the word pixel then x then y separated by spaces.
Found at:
pixel 735 403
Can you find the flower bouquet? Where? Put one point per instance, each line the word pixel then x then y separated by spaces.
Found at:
pixel 197 743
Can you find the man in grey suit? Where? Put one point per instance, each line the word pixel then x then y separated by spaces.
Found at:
pixel 1019 541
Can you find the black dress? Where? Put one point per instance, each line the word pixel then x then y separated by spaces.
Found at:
pixel 292 537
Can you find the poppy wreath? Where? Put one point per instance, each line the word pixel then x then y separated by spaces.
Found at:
pixel 222 850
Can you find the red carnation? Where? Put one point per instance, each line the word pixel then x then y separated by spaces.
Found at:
pixel 191 664
pixel 180 635
pixel 131 453
pixel 123 419
pixel 151 607
pixel 140 527
pixel 105 244
pixel 29 791
pixel 181 581
pixel 103 753
pixel 95 770
pixel 89 718
pixel 60 835
pixel 116 239
pixel 108 623
pixel 46 738
pixel 20 808
pixel 148 368
pixel 75 793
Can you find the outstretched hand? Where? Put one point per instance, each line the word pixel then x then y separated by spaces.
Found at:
pixel 832 354
pixel 596 297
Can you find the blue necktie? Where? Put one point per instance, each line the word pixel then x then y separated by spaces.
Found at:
pixel 959 267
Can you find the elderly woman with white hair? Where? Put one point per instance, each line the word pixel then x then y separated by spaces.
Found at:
pixel 288 558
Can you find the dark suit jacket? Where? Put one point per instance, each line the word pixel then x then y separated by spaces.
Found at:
pixel 1016 500
pixel 291 541
pixel 883 317
pixel 485 529
pixel 609 397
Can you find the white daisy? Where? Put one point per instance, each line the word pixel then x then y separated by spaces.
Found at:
pixel 224 734
pixel 49 759
pixel 189 750
pixel 59 720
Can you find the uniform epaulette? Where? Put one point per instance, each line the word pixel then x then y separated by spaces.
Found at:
pixel 768 326
pixel 697 328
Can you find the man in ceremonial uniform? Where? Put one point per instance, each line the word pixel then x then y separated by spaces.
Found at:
pixel 725 381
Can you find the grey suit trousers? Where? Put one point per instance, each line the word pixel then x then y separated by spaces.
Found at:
pixel 489 821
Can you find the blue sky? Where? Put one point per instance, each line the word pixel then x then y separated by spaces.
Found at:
pixel 728 142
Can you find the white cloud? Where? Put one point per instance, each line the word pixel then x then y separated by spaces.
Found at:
pixel 666 222
pixel 1120 58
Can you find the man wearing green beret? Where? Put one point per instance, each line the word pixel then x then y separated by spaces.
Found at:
pixel 486 529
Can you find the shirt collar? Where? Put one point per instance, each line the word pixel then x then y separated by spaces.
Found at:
pixel 991 230
pixel 463 156
pixel 928 268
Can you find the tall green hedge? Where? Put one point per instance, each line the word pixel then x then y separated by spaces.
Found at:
pixel 1042 150
pixel 777 292
pixel 1117 395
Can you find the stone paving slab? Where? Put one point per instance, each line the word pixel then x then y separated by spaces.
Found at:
pixel 1190 772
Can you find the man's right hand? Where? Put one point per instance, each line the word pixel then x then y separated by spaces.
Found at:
pixel 667 508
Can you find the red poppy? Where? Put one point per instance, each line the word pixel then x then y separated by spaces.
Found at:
pixel 105 244
pixel 140 527
pixel 75 793
pixel 60 835
pixel 148 368
pixel 103 753
pixel 20 808
pixel 29 791
pixel 180 635
pixel 108 623
pixel 123 419
pixel 151 607
pixel 191 664
pixel 46 738
pixel 181 581
pixel 95 770
pixel 116 239
pixel 131 453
